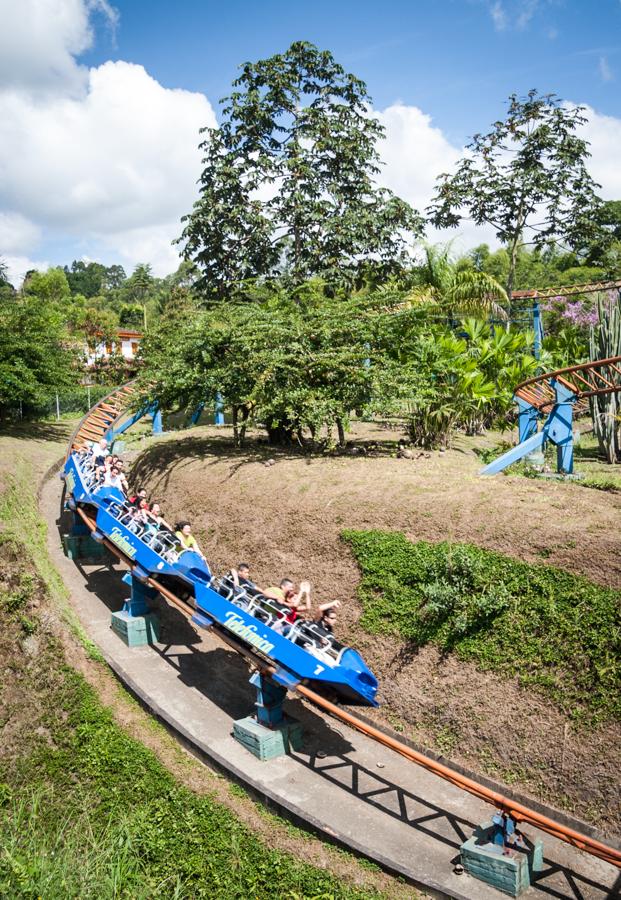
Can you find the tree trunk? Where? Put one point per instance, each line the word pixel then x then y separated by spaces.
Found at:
pixel 242 430
pixel 235 428
pixel 280 434
pixel 341 432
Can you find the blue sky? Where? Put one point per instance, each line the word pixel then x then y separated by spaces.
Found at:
pixel 458 60
pixel 101 101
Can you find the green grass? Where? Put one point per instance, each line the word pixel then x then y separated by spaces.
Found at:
pixel 557 632
pixel 97 815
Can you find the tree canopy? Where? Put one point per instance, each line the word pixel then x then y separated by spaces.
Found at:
pixel 528 173
pixel 288 187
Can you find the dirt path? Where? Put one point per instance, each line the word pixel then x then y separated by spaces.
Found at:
pixel 285 519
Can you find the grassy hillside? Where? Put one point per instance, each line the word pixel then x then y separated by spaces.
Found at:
pixel 555 630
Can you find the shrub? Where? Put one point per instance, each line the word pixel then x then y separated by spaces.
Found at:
pixel 554 630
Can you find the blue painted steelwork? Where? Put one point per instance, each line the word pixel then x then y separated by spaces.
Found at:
pixel 270 698
pixel 150 409
pixel 197 413
pixel 218 416
pixel 557 428
pixel 137 605
pixel 528 419
pixel 538 326
pixel 299 651
pixel 157 427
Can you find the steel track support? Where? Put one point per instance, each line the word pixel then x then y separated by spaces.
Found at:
pixel 218 416
pixel 528 419
pixel 559 427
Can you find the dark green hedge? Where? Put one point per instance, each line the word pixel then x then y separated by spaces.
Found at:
pixel 554 630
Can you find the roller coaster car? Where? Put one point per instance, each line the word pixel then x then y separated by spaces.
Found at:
pixel 301 652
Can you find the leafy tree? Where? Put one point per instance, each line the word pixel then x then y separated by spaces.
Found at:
pixel 288 186
pixel 114 277
pixel 296 370
pixel 86 279
pixel 528 174
pixel 6 288
pixel 51 286
pixel 131 315
pixel 35 359
pixel 605 250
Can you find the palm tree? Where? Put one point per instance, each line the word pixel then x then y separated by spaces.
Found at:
pixel 141 282
pixel 457 291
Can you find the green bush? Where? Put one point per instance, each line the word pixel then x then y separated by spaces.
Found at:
pixel 554 630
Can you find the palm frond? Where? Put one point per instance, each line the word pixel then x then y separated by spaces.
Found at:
pixel 475 292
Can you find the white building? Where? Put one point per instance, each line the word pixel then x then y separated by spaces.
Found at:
pixel 127 345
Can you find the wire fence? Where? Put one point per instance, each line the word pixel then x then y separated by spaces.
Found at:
pixel 60 403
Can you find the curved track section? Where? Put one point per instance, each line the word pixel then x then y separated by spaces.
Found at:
pixel 94 426
pixel 103 417
pixel 601 376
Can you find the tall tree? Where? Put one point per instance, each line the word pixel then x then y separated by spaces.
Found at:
pixel 289 180
pixel 527 178
pixel 139 285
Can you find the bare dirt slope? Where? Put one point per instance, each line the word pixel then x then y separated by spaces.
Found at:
pixel 285 519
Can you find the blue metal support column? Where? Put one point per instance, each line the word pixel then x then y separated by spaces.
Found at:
pixel 528 417
pixel 79 528
pixel 218 417
pixel 270 698
pixel 157 428
pixel 538 327
pixel 559 427
pixel 197 413
pixel 514 454
pixel 140 593
pixel 113 433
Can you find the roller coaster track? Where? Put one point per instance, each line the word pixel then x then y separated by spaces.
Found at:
pixel 601 376
pixel 103 417
pixel 97 425
pixel 567 291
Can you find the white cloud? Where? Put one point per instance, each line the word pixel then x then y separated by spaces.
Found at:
pixel 605 72
pixel 604 135
pixel 17 266
pixel 17 233
pixel 40 40
pixel 526 10
pixel 515 14
pixel 415 152
pixel 120 158
pixel 499 16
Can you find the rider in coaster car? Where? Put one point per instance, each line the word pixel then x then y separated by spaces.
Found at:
pixel 183 533
pixel 327 616
pixel 99 451
pixel 240 576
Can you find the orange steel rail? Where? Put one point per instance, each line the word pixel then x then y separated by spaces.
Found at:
pixel 101 417
pixel 567 291
pixel 518 811
pixel 601 376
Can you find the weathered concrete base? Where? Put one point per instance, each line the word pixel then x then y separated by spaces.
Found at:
pixel 486 861
pixel 136 631
pixel 84 548
pixel 268 743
